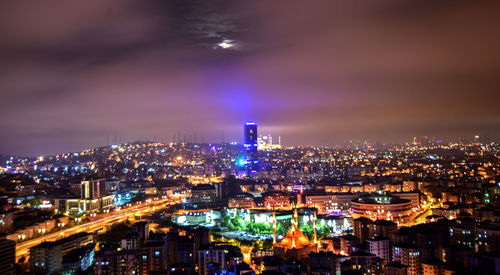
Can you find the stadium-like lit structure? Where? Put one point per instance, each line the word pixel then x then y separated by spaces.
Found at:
pixel 382 206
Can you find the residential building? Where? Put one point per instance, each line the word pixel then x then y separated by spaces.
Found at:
pixel 381 247
pixel 362 228
pixel 408 255
pixel 347 243
pixel 78 260
pixel 112 262
pixel 204 196
pixel 7 257
pixel 46 257
pixel 153 257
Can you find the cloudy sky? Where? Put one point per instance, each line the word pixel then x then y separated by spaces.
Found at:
pixel 77 74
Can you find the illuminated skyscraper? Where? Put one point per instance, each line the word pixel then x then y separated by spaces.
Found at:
pixel 250 143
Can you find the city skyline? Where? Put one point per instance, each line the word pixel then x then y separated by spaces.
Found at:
pixel 218 137
pixel 384 71
pixel 194 139
pixel 184 208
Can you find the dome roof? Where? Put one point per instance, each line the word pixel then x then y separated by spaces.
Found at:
pixel 295 236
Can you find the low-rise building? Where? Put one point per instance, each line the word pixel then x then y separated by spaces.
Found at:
pixel 325 263
pixel 48 256
pixel 204 196
pixel 241 200
pixel 347 243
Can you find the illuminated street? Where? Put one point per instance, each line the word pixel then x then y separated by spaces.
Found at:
pixel 23 248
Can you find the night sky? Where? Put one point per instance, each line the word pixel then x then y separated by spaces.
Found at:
pixel 76 74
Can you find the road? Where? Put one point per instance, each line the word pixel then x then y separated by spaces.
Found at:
pixel 23 248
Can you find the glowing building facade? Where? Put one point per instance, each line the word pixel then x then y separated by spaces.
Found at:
pixel 250 143
pixel 383 207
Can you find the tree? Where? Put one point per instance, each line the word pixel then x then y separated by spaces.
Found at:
pixel 267 245
pixel 307 230
pixel 114 235
pixel 280 229
pixel 238 223
pixel 324 230
pixel 257 246
pixel 34 202
pixel 226 222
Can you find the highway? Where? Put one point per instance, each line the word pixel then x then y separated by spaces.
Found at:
pixel 22 249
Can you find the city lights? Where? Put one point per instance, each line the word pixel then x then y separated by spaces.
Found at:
pixel 250 137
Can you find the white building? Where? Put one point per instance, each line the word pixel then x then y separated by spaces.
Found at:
pixel 265 143
pixel 380 247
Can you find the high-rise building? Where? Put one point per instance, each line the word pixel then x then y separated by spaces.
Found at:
pixel 153 257
pixel 362 228
pixel 250 137
pixel 180 252
pixel 408 255
pixel 209 254
pixel 7 257
pixel 381 247
pixel 250 143
pixel 142 229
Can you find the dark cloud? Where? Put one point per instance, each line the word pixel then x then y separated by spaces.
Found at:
pixel 73 74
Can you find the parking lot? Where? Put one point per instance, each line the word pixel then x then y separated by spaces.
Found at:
pixel 242 235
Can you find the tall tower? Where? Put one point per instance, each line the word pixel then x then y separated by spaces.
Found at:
pixel 250 134
pixel 250 143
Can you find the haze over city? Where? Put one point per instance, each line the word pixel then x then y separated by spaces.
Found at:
pixel 313 73
pixel 219 137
